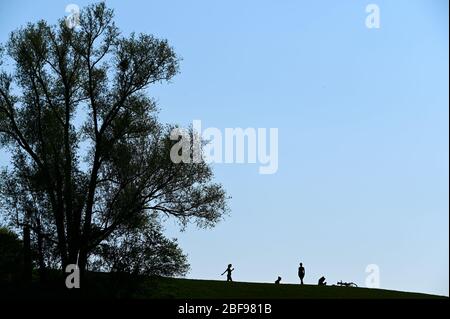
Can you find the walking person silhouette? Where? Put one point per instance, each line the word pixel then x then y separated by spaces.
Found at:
pixel 228 271
pixel 301 273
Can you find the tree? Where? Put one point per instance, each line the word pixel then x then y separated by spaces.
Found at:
pixel 90 157
pixel 141 251
pixel 11 259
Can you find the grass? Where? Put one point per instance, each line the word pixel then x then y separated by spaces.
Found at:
pixel 211 289
pixel 104 285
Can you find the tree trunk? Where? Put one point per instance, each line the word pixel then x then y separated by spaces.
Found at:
pixel 27 265
pixel 41 261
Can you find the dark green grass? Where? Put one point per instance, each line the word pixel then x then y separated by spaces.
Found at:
pixel 104 285
pixel 210 289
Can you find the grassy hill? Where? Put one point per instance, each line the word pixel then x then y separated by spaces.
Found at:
pixel 210 289
pixel 103 285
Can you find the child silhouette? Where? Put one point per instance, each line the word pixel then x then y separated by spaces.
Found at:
pixel 322 281
pixel 228 271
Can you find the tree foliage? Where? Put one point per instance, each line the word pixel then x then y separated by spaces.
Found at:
pixel 10 255
pixel 141 252
pixel 90 160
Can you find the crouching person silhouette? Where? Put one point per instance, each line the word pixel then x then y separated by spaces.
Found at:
pixel 322 281
pixel 278 280
pixel 228 271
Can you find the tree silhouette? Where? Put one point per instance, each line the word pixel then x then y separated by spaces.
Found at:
pixel 90 159
pixel 11 259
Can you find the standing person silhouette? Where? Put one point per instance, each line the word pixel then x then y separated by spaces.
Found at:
pixel 228 271
pixel 301 273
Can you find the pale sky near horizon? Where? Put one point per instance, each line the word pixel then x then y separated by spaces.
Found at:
pixel 362 116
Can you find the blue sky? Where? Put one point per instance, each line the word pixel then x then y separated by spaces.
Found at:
pixel 363 131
